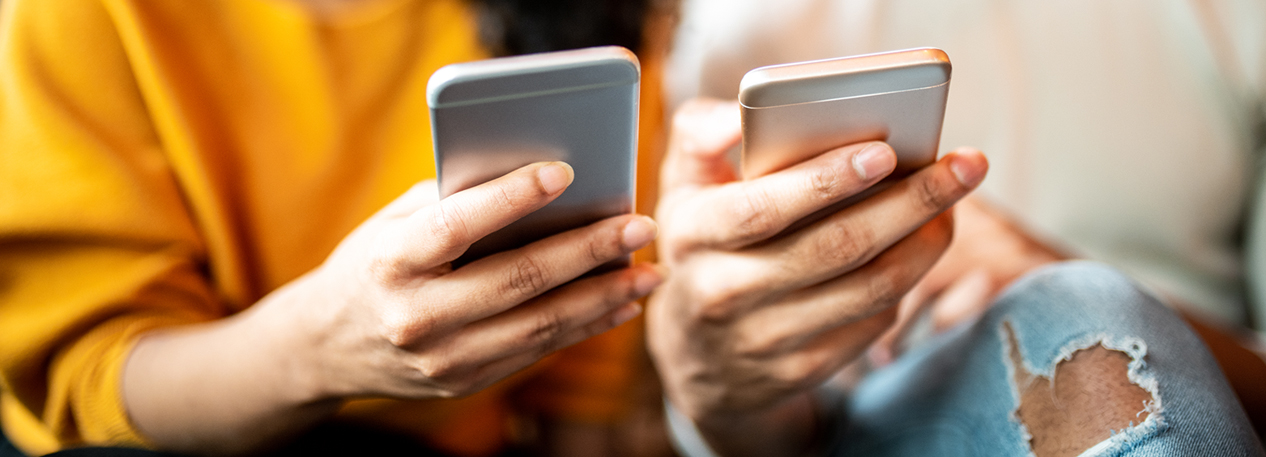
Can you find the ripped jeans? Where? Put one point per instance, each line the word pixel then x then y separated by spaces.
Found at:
pixel 957 395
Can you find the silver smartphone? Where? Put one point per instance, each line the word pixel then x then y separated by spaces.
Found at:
pixel 795 111
pixel 581 107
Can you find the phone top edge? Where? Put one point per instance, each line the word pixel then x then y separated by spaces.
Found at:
pixel 845 77
pixel 848 97
pixel 467 82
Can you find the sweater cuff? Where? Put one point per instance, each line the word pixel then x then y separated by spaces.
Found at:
pixel 684 435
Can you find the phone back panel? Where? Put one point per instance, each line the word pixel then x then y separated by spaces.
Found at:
pixel 792 113
pixel 580 107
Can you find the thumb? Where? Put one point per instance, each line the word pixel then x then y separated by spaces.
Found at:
pixel 703 131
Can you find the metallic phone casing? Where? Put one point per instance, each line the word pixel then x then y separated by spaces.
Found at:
pixel 581 107
pixel 794 112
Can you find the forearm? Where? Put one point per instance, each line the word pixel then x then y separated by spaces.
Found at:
pixel 226 387
pixel 790 429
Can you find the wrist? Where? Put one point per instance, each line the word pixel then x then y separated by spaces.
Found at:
pixel 225 386
pixel 790 428
pixel 289 336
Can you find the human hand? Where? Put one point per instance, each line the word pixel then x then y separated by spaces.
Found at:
pixel 387 315
pixel 988 253
pixel 751 319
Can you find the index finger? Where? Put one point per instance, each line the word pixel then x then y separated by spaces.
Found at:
pixel 746 212
pixel 852 237
pixel 440 233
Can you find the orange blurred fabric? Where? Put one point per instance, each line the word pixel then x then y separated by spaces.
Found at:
pixel 171 162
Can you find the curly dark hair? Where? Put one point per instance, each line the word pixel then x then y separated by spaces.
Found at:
pixel 512 27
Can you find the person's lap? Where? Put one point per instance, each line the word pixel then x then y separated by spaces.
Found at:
pixel 957 394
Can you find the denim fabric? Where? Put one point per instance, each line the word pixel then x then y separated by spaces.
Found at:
pixel 955 396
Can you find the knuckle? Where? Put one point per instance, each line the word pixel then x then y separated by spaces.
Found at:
pixel 588 331
pixel 440 369
pixel 447 226
pixel 403 324
pixel 717 304
pixel 826 184
pixel 400 328
pixel 527 277
pixel 761 347
pixel 504 199
pixel 802 373
pixel 883 291
pixel 753 216
pixel 597 251
pixel 603 248
pixel 546 333
pixel 847 245
pixel 931 196
pixel 387 268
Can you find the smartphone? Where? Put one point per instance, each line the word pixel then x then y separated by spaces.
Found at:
pixel 796 111
pixel 491 117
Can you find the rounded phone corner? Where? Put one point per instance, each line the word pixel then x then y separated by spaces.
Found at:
pixel 751 87
pixel 472 82
pixel 936 57
pixel 625 55
pixel 439 81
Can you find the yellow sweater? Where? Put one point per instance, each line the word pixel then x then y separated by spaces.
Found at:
pixel 164 162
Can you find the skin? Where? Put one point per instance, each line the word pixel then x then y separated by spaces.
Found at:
pixel 752 319
pixel 989 252
pixel 1090 396
pixel 387 316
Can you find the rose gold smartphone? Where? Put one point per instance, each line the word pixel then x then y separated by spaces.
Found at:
pixel 796 111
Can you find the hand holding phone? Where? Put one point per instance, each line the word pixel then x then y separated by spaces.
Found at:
pixel 774 285
pixel 386 314
pixel 795 111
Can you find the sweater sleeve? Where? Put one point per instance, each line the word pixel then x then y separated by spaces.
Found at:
pixel 96 245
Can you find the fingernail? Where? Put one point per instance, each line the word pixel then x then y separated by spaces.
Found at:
pixel 555 177
pixel 646 282
pixel 968 166
pixel 625 314
pixel 874 161
pixel 639 232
